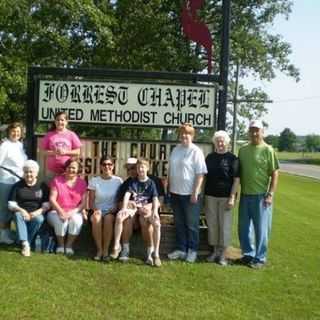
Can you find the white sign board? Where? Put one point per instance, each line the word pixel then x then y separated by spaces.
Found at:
pixel 157 153
pixel 127 103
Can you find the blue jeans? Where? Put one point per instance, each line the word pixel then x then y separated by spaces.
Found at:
pixel 186 220
pixel 254 213
pixel 27 230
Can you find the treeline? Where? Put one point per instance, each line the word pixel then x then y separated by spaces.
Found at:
pixel 289 141
pixel 140 35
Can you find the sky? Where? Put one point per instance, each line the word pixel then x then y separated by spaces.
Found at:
pixel 296 105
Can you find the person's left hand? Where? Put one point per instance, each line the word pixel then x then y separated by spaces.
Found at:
pixel 194 198
pixel 230 203
pixel 268 200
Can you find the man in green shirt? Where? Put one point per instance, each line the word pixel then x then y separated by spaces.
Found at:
pixel 259 168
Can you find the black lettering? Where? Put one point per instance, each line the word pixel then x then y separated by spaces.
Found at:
pixel 143 150
pixel 123 95
pixel 104 148
pixel 155 168
pixel 143 96
pixel 94 115
pixel 155 97
pixel 153 151
pixel 62 92
pixel 162 152
pixel 49 91
pixel 98 94
pixel 75 93
pixel 168 98
pixel 87 166
pixel 111 95
pixel 87 94
pixel 113 149
pixel 192 97
pixel 164 169
pixel 204 98
pixel 95 145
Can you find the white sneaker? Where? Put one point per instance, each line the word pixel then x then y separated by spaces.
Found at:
pixel 69 252
pixel 176 255
pixel 191 256
pixel 124 255
pixel 5 237
pixel 60 250
pixel 222 261
pixel 25 251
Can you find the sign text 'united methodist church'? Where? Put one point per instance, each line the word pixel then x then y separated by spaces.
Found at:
pixel 127 103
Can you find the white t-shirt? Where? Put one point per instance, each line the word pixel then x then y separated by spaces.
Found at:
pixel 105 192
pixel 12 156
pixel 185 164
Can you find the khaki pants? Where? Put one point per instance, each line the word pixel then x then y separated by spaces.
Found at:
pixel 219 221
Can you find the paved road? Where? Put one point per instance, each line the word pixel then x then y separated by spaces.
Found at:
pixel 306 170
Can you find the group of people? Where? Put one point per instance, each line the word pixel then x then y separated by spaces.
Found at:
pixel 115 208
pixel 255 169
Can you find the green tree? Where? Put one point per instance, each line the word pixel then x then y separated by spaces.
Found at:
pixel 273 140
pixel 259 53
pixel 312 142
pixel 287 140
pixel 134 34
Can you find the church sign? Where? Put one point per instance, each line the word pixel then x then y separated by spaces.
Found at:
pixel 126 103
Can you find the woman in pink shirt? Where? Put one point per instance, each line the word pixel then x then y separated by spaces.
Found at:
pixel 59 145
pixel 68 199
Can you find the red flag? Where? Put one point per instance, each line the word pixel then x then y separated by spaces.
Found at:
pixel 196 30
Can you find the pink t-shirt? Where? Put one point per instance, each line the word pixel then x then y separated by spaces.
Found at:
pixel 66 140
pixel 69 197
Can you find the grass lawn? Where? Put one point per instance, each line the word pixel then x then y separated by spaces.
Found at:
pixel 56 287
pixel 301 157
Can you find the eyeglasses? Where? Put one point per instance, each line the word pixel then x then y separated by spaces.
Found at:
pixel 107 164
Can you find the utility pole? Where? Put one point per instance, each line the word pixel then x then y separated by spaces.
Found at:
pixel 235 102
pixel 235 110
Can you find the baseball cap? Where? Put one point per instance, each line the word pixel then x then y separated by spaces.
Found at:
pixel 256 124
pixel 132 161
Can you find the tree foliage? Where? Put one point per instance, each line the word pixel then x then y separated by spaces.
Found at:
pixel 134 34
pixel 273 140
pixel 287 140
pixel 312 142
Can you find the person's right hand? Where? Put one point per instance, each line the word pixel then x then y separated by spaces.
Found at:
pixel 25 214
pixel 63 215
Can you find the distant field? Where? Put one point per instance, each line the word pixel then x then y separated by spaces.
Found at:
pixel 56 287
pixel 301 157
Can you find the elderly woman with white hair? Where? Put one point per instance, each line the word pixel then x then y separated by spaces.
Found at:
pixel 29 200
pixel 221 185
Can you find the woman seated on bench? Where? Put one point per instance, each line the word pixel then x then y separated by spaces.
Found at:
pixel 103 206
pixel 29 200
pixel 68 199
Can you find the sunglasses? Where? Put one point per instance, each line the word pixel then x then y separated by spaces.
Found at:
pixel 132 168
pixel 107 164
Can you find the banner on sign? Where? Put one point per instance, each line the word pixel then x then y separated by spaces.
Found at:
pixel 157 153
pixel 127 103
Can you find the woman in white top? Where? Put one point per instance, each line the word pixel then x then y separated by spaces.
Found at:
pixel 187 168
pixel 12 158
pixel 103 206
